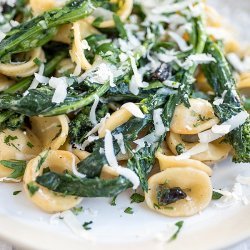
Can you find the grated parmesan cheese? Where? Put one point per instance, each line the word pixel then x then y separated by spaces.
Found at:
pixel 197 149
pixel 112 161
pixel 234 122
pixel 60 85
pixel 133 109
pixel 92 114
pixel 158 123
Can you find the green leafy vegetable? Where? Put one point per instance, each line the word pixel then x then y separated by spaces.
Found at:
pixel 129 210
pixel 17 192
pixel 216 195
pixel 32 187
pixel 86 225
pixel 137 198
pixel 221 79
pixel 17 166
pixel 179 224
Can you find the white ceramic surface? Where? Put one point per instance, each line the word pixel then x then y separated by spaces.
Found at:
pixel 22 224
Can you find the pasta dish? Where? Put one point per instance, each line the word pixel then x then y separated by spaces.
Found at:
pixel 100 96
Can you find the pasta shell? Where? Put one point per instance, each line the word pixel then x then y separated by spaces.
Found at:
pixel 216 150
pixel 166 161
pixel 195 183
pixel 17 145
pixel 195 119
pixel 118 118
pixel 52 131
pixel 24 69
pixel 58 161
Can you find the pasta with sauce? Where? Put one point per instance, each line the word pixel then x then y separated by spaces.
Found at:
pixel 98 97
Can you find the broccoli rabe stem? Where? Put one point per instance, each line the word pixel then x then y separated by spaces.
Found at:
pixel 39 30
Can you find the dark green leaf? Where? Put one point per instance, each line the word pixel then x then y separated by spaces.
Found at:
pixel 137 198
pixel 129 210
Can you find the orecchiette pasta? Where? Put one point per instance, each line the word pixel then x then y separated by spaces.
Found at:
pixel 5 82
pixel 170 161
pixel 52 131
pixel 118 118
pixel 195 119
pixel 216 150
pixel 23 69
pixel 195 183
pixel 57 161
pixel 17 145
pixel 38 6
pixel 81 29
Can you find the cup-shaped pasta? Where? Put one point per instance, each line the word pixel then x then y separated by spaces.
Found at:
pixel 195 183
pixel 82 29
pixel 52 131
pixel 38 6
pixel 117 119
pixel 243 84
pixel 23 69
pixel 124 10
pixel 63 34
pixel 17 145
pixel 218 29
pixel 57 161
pixel 5 82
pixel 171 161
pixel 216 150
pixel 195 119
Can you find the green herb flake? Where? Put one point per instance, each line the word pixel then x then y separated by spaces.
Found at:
pixel 77 210
pixel 9 138
pixel 129 210
pixel 216 195
pixel 179 224
pixel 137 198
pixel 97 22
pixel 42 160
pixel 29 144
pixel 120 26
pixel 86 225
pixel 37 61
pixel 180 148
pixel 17 192
pixel 32 187
pixel 113 201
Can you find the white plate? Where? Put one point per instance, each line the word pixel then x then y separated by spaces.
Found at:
pixel 24 225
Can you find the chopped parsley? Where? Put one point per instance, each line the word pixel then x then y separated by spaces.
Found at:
pixel 17 192
pixel 9 138
pixel 32 187
pixel 113 201
pixel 97 22
pixel 216 195
pixel 137 198
pixel 37 61
pixel 129 210
pixel 180 148
pixel 120 26
pixel 42 160
pixel 29 144
pixel 77 210
pixel 86 225
pixel 179 224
